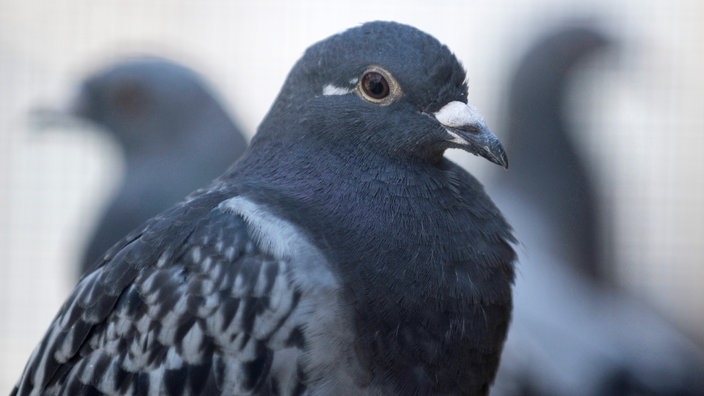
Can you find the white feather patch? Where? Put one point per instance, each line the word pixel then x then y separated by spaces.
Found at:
pixel 330 89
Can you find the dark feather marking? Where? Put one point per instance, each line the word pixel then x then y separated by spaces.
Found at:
pixel 244 339
pixel 210 386
pixel 156 353
pixel 123 378
pixel 296 297
pixel 228 310
pixel 194 303
pixel 257 370
pixel 218 370
pixel 129 302
pixel 250 309
pixel 184 327
pixel 198 375
pixel 75 388
pixel 271 271
pixel 274 387
pixel 301 383
pixel 296 339
pixel 141 384
pixel 175 380
pixel 101 365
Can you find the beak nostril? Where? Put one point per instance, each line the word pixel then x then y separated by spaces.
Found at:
pixel 470 128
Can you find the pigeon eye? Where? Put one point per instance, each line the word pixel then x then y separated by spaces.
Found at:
pixel 378 86
pixel 375 85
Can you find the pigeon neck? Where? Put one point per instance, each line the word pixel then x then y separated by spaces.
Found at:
pixel 387 218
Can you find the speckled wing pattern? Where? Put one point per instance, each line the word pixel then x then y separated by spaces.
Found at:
pixel 191 304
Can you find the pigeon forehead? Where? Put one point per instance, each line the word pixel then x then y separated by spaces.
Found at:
pixel 417 60
pixel 160 81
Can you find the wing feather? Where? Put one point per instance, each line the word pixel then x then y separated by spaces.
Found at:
pixel 192 304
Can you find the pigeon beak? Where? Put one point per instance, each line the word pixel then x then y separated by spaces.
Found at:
pixel 467 129
pixel 72 115
pixel 80 104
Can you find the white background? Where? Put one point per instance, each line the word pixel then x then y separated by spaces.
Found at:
pixel 639 113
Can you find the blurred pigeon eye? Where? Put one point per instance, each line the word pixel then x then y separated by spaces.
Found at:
pixel 378 86
pixel 129 100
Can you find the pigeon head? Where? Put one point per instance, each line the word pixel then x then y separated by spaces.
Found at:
pixel 148 103
pixel 386 88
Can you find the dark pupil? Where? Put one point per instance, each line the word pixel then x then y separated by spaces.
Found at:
pixel 376 86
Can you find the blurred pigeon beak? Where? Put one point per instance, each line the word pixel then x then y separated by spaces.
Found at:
pixel 75 114
pixel 467 129
pixel 80 104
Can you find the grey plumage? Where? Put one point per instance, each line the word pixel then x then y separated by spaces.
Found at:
pixel 573 333
pixel 174 134
pixel 342 254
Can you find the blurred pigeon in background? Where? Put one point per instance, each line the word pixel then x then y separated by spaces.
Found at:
pixel 342 254
pixel 174 134
pixel 573 333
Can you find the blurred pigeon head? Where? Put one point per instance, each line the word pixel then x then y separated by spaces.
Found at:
pixel 175 135
pixel 150 103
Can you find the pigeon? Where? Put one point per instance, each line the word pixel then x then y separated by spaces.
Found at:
pixel 341 254
pixel 174 134
pixel 573 332
pixel 552 174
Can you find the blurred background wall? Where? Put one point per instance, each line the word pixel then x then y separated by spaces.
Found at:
pixel 640 113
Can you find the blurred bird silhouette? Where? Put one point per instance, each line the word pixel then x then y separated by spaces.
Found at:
pixel 573 333
pixel 174 134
